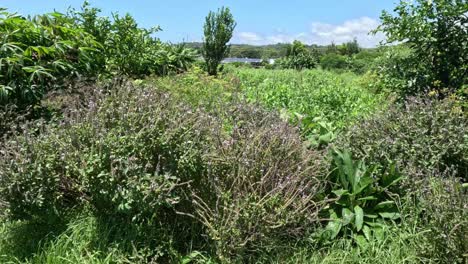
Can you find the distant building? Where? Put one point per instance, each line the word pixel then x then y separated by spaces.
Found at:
pixel 242 60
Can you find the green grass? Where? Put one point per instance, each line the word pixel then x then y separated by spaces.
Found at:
pixel 85 240
pixel 398 248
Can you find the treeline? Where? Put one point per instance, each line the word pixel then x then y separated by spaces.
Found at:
pixel 271 51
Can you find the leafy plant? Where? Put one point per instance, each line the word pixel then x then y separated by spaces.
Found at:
pixel 436 33
pixel 424 137
pixel 40 53
pixel 318 132
pixel 298 57
pixel 319 101
pixel 334 61
pixel 218 31
pixel 130 49
pixel 362 197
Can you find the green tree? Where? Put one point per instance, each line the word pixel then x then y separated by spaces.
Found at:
pixel 299 57
pixel 437 33
pixel 218 31
pixel 332 48
pixel 296 48
pixel 350 48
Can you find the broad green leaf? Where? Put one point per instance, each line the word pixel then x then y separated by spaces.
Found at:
pixel 359 217
pixel 372 216
pixel 363 184
pixel 334 226
pixel 389 215
pixel 367 232
pixel 361 241
pixel 348 216
pixel 340 192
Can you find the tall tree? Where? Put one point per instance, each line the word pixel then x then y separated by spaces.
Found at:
pixel 351 47
pixel 437 32
pixel 218 31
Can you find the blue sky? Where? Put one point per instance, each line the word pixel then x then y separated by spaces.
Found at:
pixel 258 21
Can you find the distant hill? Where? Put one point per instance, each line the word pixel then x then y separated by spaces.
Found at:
pixel 251 51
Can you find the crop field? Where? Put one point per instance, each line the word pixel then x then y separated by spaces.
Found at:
pixel 117 147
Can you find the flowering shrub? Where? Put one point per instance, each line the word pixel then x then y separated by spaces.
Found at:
pixel 426 138
pixel 139 155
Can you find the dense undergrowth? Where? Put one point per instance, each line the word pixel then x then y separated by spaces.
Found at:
pixel 320 102
pixel 192 168
pixel 115 149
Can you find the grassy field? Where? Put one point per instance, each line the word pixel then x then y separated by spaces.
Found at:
pixel 215 138
pixel 117 147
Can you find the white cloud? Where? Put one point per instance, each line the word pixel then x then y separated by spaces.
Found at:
pixel 320 33
pixel 249 37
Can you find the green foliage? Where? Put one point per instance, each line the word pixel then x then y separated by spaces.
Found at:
pixel 170 171
pixel 82 238
pixel 218 31
pixel 436 33
pixel 397 71
pixel 359 62
pixel 247 51
pixel 399 246
pixel 320 133
pixel 40 53
pixel 265 186
pixel 46 52
pixel 310 97
pixel 425 138
pixel 349 48
pixel 363 61
pixel 199 90
pixel 129 49
pixel 442 207
pixel 363 198
pixel 298 57
pixel 333 61
pixel 269 51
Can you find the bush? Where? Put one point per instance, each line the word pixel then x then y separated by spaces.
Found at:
pixel 298 57
pixel 141 158
pixel 363 61
pixel 424 137
pixel 265 183
pixel 442 207
pixel 129 49
pixel 40 53
pixel 297 62
pixel 45 52
pixel 435 31
pixel 333 61
pixel 125 156
pixel 397 72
